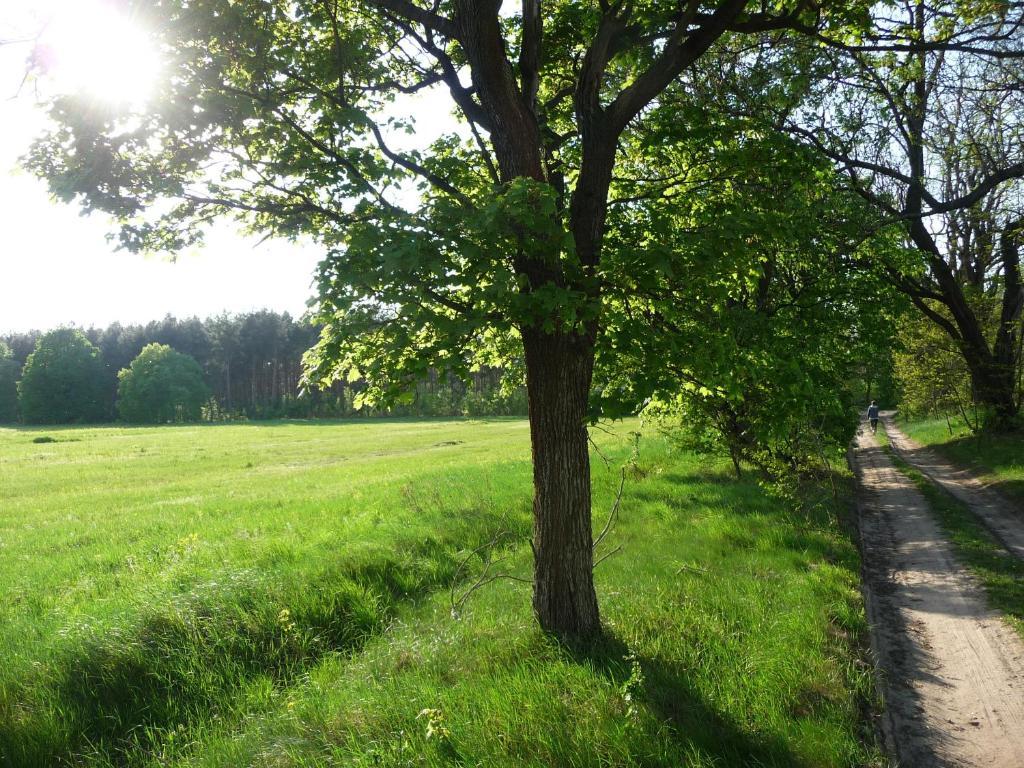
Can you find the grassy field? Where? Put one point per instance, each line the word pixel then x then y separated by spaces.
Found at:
pixel 999 457
pixel 280 594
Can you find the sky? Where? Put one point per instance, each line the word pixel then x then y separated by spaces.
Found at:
pixel 56 266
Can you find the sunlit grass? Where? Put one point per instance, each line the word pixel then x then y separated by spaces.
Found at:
pixel 1000 457
pixel 279 595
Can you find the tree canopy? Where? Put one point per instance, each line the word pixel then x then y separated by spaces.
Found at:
pixel 62 382
pixel 8 385
pixel 769 298
pixel 161 385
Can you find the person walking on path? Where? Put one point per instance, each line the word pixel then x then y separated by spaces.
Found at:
pixel 873 417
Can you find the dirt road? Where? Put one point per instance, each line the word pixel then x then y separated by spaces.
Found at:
pixel 997 512
pixel 953 671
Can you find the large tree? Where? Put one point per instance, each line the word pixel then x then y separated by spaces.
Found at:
pixel 161 385
pixel 485 245
pixel 63 381
pixel 925 117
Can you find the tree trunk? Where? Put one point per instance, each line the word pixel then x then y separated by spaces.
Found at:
pixel 227 386
pixel 252 390
pixel 992 374
pixel 1006 349
pixel 559 367
pixel 994 385
pixel 993 368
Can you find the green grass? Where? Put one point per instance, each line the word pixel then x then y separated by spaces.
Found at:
pixel 1001 574
pixel 999 457
pixel 278 594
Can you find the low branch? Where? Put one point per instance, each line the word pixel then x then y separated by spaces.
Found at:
pixel 606 555
pixel 486 577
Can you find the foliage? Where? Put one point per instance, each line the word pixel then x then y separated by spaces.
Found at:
pixel 874 377
pixel 161 386
pixel 252 364
pixel 9 370
pixel 62 382
pixel 766 300
pixel 243 594
pixel 931 371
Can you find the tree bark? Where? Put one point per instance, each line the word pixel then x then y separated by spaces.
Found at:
pixel 1006 349
pixel 559 367
pixel 992 368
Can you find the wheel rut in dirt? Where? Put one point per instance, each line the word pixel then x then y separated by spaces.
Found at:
pixel 1000 515
pixel 952 670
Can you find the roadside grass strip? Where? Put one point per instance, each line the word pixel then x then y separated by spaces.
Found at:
pixel 999 458
pixel 1000 573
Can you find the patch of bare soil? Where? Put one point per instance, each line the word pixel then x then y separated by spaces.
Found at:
pixel 999 514
pixel 952 671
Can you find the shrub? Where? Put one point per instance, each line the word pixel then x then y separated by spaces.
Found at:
pixel 161 385
pixel 63 381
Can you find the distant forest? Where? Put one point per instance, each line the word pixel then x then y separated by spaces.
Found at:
pixel 252 364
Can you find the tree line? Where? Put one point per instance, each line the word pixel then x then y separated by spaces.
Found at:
pixel 251 366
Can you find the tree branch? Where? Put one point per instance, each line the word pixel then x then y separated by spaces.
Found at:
pixel 419 170
pixel 414 13
pixel 990 182
pixel 682 48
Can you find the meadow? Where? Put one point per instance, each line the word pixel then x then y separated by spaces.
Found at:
pixel 282 594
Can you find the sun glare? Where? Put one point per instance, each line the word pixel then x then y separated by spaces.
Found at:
pixel 88 46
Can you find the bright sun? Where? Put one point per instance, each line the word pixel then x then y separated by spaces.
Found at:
pixel 88 46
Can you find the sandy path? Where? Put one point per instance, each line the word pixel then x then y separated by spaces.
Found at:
pixel 1003 517
pixel 952 670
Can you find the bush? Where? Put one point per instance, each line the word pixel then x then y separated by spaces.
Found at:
pixel 63 381
pixel 161 385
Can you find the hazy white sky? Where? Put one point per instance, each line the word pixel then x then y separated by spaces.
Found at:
pixel 56 266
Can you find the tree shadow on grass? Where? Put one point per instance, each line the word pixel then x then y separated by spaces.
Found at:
pixel 703 477
pixel 693 724
pixel 123 693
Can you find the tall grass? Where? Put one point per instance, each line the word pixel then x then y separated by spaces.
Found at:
pixel 280 595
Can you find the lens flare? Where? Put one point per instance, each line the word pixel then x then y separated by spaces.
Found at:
pixel 93 48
